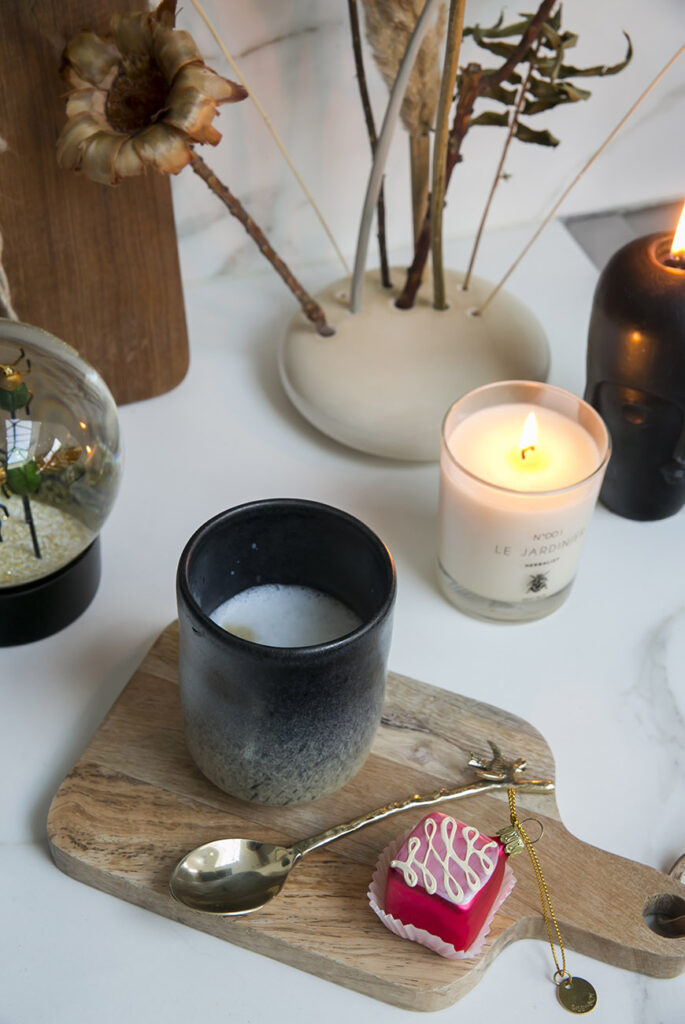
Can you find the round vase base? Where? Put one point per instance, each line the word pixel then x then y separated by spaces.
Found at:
pixel 384 381
pixel 34 610
pixel 490 610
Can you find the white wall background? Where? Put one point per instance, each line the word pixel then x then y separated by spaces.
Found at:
pixel 296 56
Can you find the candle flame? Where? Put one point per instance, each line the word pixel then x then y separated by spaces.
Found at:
pixel 678 243
pixel 529 435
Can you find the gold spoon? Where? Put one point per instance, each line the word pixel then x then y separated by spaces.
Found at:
pixel 231 877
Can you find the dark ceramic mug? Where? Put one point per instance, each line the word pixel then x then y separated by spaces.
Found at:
pixel 279 725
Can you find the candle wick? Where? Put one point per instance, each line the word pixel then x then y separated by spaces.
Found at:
pixel 530 448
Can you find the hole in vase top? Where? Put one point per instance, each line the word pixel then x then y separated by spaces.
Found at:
pixel 665 915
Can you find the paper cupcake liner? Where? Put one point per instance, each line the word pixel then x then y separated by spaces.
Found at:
pixel 376 897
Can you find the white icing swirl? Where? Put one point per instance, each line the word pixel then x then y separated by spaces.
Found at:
pixel 423 863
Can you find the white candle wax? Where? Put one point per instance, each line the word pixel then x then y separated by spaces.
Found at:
pixel 512 517
pixel 488 445
pixel 282 615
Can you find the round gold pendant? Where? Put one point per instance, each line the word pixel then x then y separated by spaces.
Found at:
pixel 577 995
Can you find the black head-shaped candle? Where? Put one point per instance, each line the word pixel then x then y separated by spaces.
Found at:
pixel 636 375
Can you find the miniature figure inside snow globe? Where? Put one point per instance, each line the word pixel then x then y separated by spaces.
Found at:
pixel 59 472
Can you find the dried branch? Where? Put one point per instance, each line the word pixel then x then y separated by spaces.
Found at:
pixel 449 78
pixel 373 138
pixel 310 308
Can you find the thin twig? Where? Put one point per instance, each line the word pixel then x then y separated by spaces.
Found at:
pixel 373 138
pixel 267 121
pixel 498 174
pixel 28 518
pixel 455 25
pixel 610 137
pixel 311 309
pixel 419 164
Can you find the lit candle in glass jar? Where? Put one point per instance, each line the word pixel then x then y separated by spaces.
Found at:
pixel 521 466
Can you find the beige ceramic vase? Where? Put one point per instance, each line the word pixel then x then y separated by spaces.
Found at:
pixel 384 381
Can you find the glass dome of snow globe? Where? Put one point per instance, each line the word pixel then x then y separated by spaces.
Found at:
pixel 60 464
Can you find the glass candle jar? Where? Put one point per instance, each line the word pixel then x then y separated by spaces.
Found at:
pixel 521 464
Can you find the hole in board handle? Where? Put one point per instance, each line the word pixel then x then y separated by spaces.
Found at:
pixel 665 915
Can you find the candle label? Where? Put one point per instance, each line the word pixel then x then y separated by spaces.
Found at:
pixel 538 555
pixel 499 556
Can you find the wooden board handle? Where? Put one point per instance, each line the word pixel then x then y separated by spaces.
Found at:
pixel 601 901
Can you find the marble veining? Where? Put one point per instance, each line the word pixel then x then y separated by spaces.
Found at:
pixel 275 40
pixel 653 696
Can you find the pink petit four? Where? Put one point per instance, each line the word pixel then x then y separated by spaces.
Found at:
pixel 443 885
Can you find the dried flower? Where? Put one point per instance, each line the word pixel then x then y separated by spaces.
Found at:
pixel 389 26
pixel 144 96
pixel 140 96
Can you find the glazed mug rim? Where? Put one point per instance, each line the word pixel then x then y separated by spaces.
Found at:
pixel 266 650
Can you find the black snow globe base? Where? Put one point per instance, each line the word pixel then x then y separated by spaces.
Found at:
pixel 38 609
pixel 60 465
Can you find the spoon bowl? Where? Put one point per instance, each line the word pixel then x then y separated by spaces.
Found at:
pixel 231 877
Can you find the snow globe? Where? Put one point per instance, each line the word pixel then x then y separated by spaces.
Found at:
pixel 60 465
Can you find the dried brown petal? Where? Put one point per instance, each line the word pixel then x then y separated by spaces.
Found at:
pixel 74 135
pixel 128 164
pixel 99 156
pixel 91 56
pixel 88 101
pixel 172 49
pixel 73 79
pixel 132 33
pixel 204 80
pixel 193 114
pixel 164 147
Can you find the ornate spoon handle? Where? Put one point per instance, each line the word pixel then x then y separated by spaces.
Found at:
pixel 305 846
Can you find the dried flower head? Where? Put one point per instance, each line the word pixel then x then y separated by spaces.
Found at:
pixel 389 27
pixel 140 95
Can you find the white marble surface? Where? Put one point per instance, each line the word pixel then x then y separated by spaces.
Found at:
pixel 602 678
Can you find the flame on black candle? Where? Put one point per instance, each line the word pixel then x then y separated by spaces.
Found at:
pixel 676 256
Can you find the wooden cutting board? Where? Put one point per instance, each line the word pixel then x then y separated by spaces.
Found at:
pixel 134 804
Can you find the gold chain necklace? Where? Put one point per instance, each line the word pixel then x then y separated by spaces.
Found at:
pixel 575 994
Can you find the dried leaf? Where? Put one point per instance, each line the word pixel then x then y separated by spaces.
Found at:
pixel 526 134
pixel 502 95
pixel 598 71
pixel 499 49
pixel 551 94
pixel 491 118
pixel 542 89
pixel 499 33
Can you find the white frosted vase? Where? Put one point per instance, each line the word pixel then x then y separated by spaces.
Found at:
pixel 384 381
